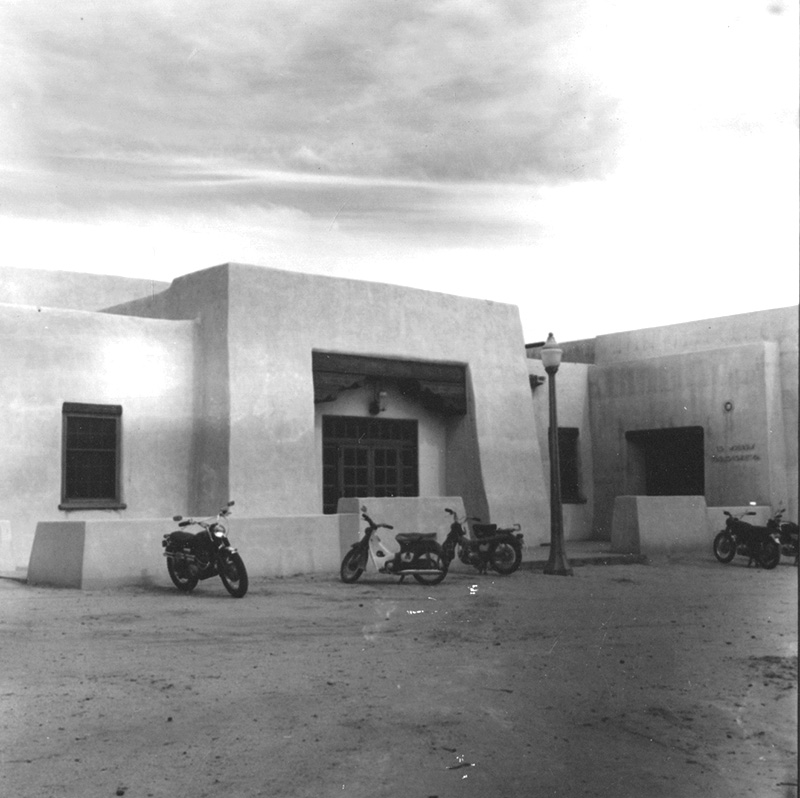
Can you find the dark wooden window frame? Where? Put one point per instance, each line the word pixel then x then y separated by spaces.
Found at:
pixel 570 466
pixel 337 447
pixel 72 413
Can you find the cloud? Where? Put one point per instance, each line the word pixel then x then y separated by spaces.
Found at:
pixel 447 90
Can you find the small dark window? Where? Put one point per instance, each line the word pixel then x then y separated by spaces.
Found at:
pixel 90 473
pixel 569 465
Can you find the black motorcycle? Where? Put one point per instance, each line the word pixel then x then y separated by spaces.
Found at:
pixel 499 549
pixel 420 555
pixel 760 544
pixel 195 556
pixel 788 534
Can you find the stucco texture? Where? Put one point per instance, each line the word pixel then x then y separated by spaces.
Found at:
pixel 733 393
pixel 260 327
pixel 54 356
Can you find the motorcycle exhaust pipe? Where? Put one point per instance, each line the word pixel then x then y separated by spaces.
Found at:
pixel 415 571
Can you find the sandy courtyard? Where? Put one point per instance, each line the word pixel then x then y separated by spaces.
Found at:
pixel 671 679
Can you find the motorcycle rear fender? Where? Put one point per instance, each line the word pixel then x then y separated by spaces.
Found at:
pixel 501 537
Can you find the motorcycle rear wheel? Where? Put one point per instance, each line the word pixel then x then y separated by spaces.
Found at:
pixel 505 558
pixel 181 576
pixel 352 566
pixel 233 574
pixel 431 558
pixel 724 546
pixel 770 555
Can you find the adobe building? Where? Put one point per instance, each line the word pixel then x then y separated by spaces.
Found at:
pixel 702 409
pixel 128 401
pixel 282 391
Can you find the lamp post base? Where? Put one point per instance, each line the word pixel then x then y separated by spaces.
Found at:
pixel 558 565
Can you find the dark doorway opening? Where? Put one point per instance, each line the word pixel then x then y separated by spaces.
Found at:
pixel 666 462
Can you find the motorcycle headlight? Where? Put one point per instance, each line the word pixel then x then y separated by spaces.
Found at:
pixel 219 531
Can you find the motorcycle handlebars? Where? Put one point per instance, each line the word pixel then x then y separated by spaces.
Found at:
pixel 223 513
pixel 373 525
pixel 465 518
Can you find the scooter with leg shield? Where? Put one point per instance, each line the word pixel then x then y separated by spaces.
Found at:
pixel 420 555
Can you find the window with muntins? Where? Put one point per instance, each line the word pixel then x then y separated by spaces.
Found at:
pixel 368 457
pixel 90 473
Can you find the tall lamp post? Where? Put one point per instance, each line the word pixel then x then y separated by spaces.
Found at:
pixel 557 563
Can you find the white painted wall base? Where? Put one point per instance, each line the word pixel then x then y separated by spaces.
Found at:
pixel 92 555
pixel 671 524
pixel 658 524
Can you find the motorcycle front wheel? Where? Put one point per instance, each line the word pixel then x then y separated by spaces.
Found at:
pixel 181 576
pixel 724 546
pixel 505 558
pixel 770 555
pixel 352 566
pixel 431 559
pixel 233 574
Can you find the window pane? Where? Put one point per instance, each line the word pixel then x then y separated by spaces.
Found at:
pixel 91 433
pixel 91 456
pixel 568 462
pixel 91 475
pixel 378 458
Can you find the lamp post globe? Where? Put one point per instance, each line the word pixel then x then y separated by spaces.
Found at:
pixel 557 563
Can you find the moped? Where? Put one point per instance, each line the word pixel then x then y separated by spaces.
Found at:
pixel 192 557
pixel 419 556
pixel 760 544
pixel 499 548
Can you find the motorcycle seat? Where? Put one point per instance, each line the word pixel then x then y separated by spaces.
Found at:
pixel 482 530
pixel 411 537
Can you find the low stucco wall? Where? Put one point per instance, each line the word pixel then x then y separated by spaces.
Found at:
pixel 92 555
pixel 9 556
pixel 57 356
pixel 669 524
pixel 658 524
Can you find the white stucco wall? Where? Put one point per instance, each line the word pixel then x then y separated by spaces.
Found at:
pixel 53 356
pixel 268 322
pixel 97 554
pixel 749 456
pixel 572 403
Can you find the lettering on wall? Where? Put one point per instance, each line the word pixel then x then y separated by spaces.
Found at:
pixel 737 453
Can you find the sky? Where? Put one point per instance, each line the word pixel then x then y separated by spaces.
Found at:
pixel 605 165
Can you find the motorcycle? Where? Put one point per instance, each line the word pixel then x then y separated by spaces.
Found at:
pixel 420 555
pixel 787 535
pixel 499 548
pixel 760 544
pixel 195 556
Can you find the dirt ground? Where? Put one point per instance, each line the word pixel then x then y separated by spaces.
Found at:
pixel 669 679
